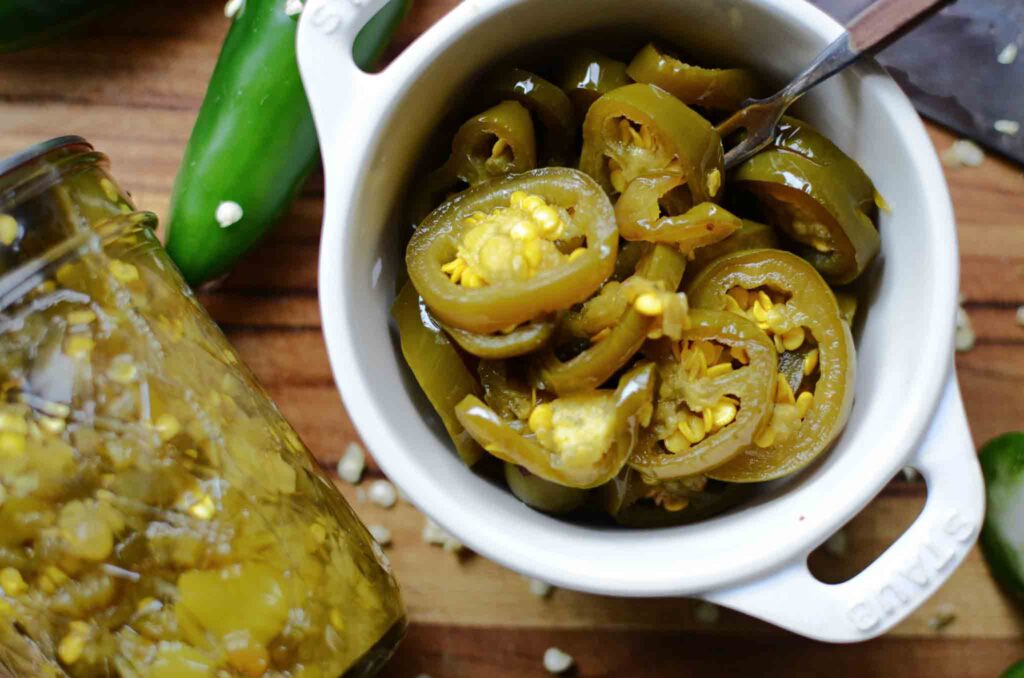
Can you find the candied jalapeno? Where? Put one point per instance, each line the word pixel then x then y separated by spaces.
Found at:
pixel 587 75
pixel 818 196
pixel 579 441
pixel 439 369
pixel 648 306
pixel 514 249
pixel 641 216
pixel 714 397
pixel 499 141
pixel 714 88
pixel 548 105
pixel 803 310
pixel 641 129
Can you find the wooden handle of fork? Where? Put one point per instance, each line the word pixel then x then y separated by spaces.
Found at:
pixel 885 20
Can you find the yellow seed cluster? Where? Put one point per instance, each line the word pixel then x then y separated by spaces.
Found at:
pixel 8 230
pixel 789 411
pixel 703 359
pixel 628 136
pixel 771 317
pixel 813 233
pixel 123 271
pixel 515 241
pixel 11 582
pixel 73 644
pixel 579 431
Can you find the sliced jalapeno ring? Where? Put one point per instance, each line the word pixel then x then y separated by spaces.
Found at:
pixel 437 366
pixel 804 310
pixel 492 257
pixel 639 211
pixel 495 143
pixel 520 340
pixel 579 441
pixel 818 196
pixel 715 395
pixel 716 88
pixel 549 105
pixel 615 345
pixel 587 75
pixel 641 129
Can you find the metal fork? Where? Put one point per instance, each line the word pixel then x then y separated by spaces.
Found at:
pixel 877 26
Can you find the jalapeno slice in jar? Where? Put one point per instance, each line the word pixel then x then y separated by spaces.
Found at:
pixel 790 301
pixel 715 88
pixel 715 395
pixel 548 104
pixel 818 196
pixel 514 249
pixel 649 306
pixel 641 129
pixel 437 366
pixel 640 213
pixel 587 75
pixel 578 441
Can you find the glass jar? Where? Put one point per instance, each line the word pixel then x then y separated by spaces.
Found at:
pixel 158 516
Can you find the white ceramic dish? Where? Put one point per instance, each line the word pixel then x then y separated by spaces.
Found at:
pixel 908 409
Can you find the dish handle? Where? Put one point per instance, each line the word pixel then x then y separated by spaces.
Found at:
pixel 340 93
pixel 908 572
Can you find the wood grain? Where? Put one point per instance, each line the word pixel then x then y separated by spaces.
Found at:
pixel 132 82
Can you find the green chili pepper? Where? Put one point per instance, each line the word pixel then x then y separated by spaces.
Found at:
pixel 639 212
pixel 1002 461
pixel 541 494
pixel 1015 671
pixel 25 23
pixel 499 141
pixel 641 129
pixel 254 142
pixel 750 236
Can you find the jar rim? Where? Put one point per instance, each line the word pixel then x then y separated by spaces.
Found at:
pixel 13 162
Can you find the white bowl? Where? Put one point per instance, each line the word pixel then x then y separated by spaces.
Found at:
pixel 907 412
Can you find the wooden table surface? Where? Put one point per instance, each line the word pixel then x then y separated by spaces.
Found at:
pixel 132 83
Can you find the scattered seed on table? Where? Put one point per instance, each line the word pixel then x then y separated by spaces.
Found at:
pixel 383 493
pixel 539 588
pixel 380 534
pixel 706 613
pixel 436 535
pixel 836 545
pixel 963 153
pixel 556 661
pixel 945 614
pixel 352 463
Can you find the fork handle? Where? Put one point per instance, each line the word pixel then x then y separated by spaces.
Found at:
pixel 883 21
pixel 879 24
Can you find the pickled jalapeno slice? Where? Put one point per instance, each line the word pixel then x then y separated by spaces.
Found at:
pixel 641 129
pixel 789 302
pixel 512 250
